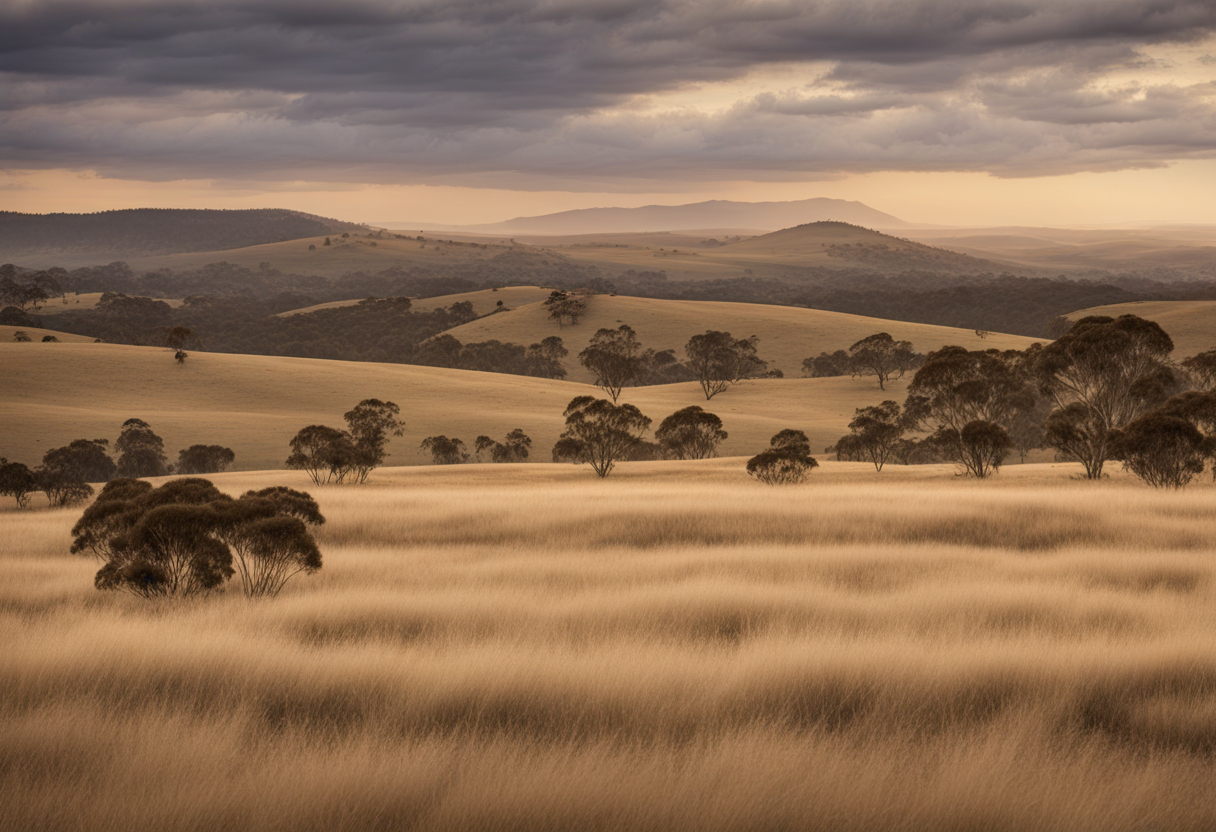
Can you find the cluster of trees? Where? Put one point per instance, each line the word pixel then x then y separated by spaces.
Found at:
pixel 541 360
pixel 332 455
pixel 446 450
pixel 32 293
pixel 1105 390
pixel 601 433
pixel 65 472
pixel 786 461
pixel 717 360
pixel 566 306
pixel 877 355
pixel 188 538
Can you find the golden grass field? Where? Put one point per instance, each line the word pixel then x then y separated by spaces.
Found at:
pixel 51 394
pixel 1191 323
pixel 77 302
pixel 788 334
pixel 674 648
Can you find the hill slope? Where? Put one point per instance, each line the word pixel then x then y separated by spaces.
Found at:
pixel 484 301
pixel 718 213
pixel 1191 323
pixel 69 239
pixel 255 404
pixel 787 334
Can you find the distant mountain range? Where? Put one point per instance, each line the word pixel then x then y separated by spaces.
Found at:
pixel 70 239
pixel 715 214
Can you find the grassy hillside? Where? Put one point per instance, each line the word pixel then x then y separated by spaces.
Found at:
pixel 1191 323
pixel 6 337
pixel 676 648
pixel 830 245
pixel 484 301
pixel 54 393
pixel 787 334
pixel 71 239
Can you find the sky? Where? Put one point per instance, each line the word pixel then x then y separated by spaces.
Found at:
pixel 972 112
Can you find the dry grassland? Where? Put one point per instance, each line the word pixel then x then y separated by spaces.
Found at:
pixel 51 394
pixel 484 300
pixel 530 648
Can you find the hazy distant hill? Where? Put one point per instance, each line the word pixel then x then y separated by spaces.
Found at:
pixel 68 239
pixel 715 214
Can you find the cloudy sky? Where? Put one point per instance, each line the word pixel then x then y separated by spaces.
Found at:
pixel 1065 112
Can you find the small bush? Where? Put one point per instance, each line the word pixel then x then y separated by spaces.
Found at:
pixel 787 461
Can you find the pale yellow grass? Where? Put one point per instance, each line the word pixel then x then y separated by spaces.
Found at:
pixel 51 394
pixel 787 334
pixel 1191 323
pixel 677 647
pixel 484 301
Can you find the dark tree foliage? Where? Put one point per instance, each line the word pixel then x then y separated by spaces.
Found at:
pixel 828 365
pixel 180 539
pixel 325 453
pixel 883 357
pixel 180 356
pixel 515 448
pixel 662 367
pixel 614 357
pixel 49 339
pixel 1202 370
pixel 565 306
pixel 82 460
pixel 874 434
pixel 787 461
pixel 203 459
pixel 690 433
pixel 1027 428
pixel 982 448
pixel 1198 408
pixel 369 426
pixel 17 481
pixel 445 450
pixel 599 433
pixel 177 337
pixel 1102 375
pixel 141 451
pixel 956 386
pixel 22 336
pixel 1164 451
pixel 544 359
pixel 719 360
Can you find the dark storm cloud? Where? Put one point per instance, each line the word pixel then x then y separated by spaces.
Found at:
pixel 403 90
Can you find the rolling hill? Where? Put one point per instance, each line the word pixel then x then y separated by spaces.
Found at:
pixel 254 404
pixel 787 334
pixel 718 213
pixel 43 240
pixel 1191 323
pixel 484 301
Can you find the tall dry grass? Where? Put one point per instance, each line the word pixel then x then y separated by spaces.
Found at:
pixel 528 647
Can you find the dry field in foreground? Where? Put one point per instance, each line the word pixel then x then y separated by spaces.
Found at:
pixel 530 648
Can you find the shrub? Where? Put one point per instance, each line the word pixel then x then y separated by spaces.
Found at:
pixel 691 433
pixel 514 449
pixel 1163 451
pixel 445 450
pixel 787 461
pixel 179 539
pixel 203 459
pixel 17 481
pixel 22 336
pixel 983 447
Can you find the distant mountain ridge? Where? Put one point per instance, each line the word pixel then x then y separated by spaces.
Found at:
pixel 141 232
pixel 714 214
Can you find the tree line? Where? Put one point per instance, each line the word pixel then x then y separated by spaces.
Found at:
pixel 1104 390
pixel 65 472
